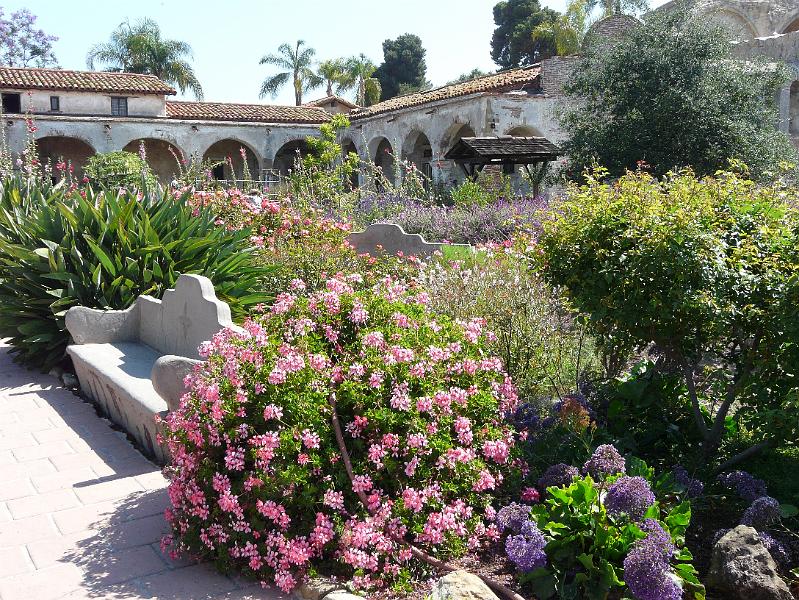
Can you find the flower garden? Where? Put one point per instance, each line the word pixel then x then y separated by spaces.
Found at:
pixel 580 408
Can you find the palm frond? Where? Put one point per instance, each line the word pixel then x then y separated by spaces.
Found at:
pixel 271 85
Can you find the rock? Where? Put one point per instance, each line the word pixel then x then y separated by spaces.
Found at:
pixel 743 569
pixel 317 588
pixel 69 380
pixel 461 585
pixel 341 595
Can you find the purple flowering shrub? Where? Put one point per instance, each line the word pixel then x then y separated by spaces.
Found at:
pixel 601 535
pixel 467 224
pixel 339 429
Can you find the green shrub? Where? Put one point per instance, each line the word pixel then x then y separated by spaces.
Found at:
pixel 119 169
pixel 585 536
pixel 543 347
pixel 60 250
pixel 702 271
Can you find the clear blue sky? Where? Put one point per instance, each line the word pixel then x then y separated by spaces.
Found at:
pixel 230 36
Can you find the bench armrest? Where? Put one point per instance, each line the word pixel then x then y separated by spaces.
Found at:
pixel 92 326
pixel 167 376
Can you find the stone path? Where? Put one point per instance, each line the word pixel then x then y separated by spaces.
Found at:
pixel 81 510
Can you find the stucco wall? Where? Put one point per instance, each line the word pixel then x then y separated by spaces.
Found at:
pixel 191 138
pixel 440 122
pixel 90 103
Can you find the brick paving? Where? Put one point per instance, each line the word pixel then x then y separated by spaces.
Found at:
pixel 81 510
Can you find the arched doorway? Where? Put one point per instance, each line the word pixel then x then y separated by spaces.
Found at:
pixel 793 109
pixel 348 147
pixel 383 157
pixel 162 157
pixel 71 151
pixel 288 155
pixel 229 154
pixel 418 151
pixel 793 26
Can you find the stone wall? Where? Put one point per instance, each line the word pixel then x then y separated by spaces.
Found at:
pixel 90 103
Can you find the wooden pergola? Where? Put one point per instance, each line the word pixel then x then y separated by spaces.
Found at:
pixel 474 153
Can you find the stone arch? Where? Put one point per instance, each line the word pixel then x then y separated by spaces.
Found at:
pixel 160 155
pixel 418 151
pixel 737 24
pixel 286 155
pixel 793 25
pixel 793 109
pixel 454 134
pixel 228 151
pixel 382 154
pixel 53 149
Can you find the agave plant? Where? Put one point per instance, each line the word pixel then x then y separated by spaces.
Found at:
pixel 62 248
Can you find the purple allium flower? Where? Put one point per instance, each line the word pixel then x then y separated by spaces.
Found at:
pixel 745 485
pixel 513 516
pixel 761 513
pixel 605 460
pixel 558 475
pixel 659 537
pixel 526 550
pixel 693 487
pixel 647 572
pixel 629 495
pixel 776 548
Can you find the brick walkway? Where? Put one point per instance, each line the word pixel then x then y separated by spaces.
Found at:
pixel 81 511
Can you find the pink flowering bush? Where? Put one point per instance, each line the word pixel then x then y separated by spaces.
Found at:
pixel 297 242
pixel 265 482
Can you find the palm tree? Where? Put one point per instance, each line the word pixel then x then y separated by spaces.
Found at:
pixel 361 70
pixel 618 7
pixel 139 48
pixel 567 32
pixel 335 73
pixel 297 63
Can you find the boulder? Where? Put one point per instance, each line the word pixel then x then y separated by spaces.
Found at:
pixel 318 587
pixel 743 569
pixel 461 585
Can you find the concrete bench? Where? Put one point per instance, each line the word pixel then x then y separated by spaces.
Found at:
pixel 389 238
pixel 132 362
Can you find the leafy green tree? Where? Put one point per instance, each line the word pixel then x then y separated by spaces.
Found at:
pixel 139 48
pixel 473 74
pixel 671 94
pixel 565 33
pixel 404 67
pixel 702 272
pixel 337 77
pixel 512 44
pixel 619 7
pixel 297 63
pixel 367 87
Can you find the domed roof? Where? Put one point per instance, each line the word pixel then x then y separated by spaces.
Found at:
pixel 608 29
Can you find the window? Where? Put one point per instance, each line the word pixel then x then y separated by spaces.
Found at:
pixel 119 107
pixel 12 104
pixel 55 103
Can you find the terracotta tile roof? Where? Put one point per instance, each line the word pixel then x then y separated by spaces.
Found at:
pixel 82 81
pixel 264 113
pixel 328 99
pixel 498 82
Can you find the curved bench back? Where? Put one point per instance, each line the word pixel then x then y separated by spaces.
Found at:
pixel 186 317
